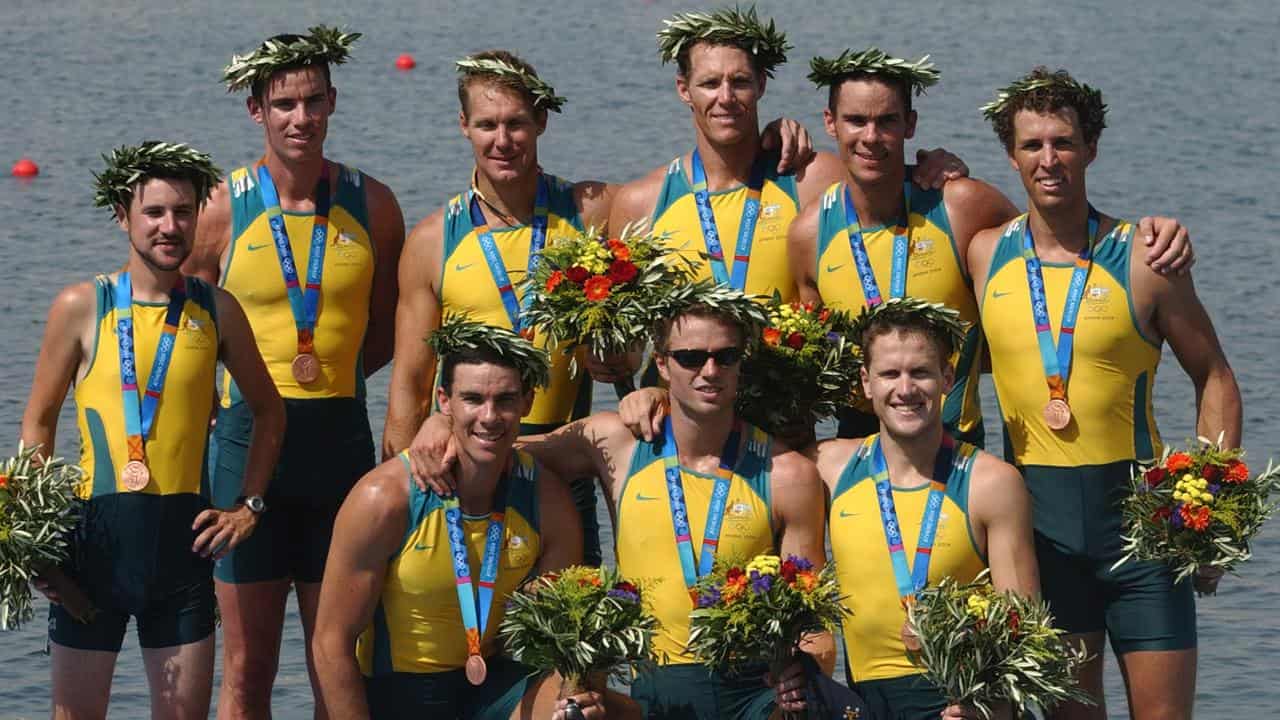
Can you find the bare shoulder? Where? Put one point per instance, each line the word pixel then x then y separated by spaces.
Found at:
pixel 637 199
pixel 981 249
pixel 213 234
pixel 825 169
pixel 75 301
pixel 382 495
pixel 803 232
pixel 833 456
pixel 996 487
pixel 791 469
pixel 594 200
pixel 380 197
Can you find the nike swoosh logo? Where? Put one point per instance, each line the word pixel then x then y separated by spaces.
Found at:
pixel 846 513
pixel 251 247
pixel 420 546
pixel 459 267
pixel 833 268
pixel 998 294
pixel 644 498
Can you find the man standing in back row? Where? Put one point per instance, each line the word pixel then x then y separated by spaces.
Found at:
pixel 309 247
pixel 1075 325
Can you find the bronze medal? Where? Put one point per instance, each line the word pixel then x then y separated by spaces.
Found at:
pixel 135 476
pixel 476 670
pixel 306 368
pixel 1057 414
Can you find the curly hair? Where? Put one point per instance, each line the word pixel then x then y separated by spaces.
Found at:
pixel 509 82
pixel 1044 91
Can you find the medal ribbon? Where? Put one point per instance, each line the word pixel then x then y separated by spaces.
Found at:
pixel 911 579
pixel 305 305
pixel 746 226
pixel 901 250
pixel 694 569
pixel 493 258
pixel 474 622
pixel 1057 361
pixel 140 415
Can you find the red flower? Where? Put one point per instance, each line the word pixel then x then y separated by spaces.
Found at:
pixel 1155 476
pixel 624 585
pixel 1211 472
pixel 772 336
pixel 1161 515
pixel 554 281
pixel 788 571
pixel 795 340
pixel 620 250
pixel 1014 622
pixel 733 574
pixel 822 316
pixel 621 271
pixel 1197 519
pixel 808 306
pixel 578 274
pixel 4 481
pixel 1237 472
pixel 1178 461
pixel 597 287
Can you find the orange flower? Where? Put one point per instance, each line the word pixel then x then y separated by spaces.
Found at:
pixel 1178 461
pixel 556 278
pixel 620 250
pixel 1197 519
pixel 4 481
pixel 597 287
pixel 772 336
pixel 822 316
pixel 806 579
pixel 1237 472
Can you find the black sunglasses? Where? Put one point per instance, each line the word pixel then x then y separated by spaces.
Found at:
pixel 695 359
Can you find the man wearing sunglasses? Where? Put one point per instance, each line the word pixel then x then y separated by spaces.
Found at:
pixel 773 500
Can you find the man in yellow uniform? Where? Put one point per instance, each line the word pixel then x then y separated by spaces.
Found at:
pixel 877 235
pixel 403 630
pixel 1075 325
pixel 141 346
pixel 309 246
pixel 768 499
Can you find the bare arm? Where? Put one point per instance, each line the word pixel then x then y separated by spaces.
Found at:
pixel 1000 511
pixel 368 530
pixel 802 252
pixel 825 170
pixel 386 229
pixel 595 200
pixel 213 234
pixel 417 315
pixel 561 526
pixel 599 446
pixel 973 205
pixel 62 352
pixel 636 200
pixel 799 511
pixel 239 353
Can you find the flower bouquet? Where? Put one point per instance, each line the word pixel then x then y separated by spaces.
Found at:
pixel 37 513
pixel 759 613
pixel 1197 509
pixel 810 352
pixel 605 294
pixel 982 647
pixel 579 622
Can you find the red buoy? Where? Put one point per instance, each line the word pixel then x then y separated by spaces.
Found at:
pixel 406 62
pixel 25 168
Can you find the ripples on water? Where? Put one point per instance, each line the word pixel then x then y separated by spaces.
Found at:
pixel 1193 119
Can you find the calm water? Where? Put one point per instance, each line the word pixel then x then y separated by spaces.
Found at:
pixel 1194 113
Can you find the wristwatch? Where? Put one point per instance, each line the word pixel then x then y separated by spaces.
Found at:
pixel 255 503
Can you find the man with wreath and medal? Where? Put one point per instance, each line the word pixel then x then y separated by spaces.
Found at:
pixel 309 246
pixel 878 235
pixel 416 582
pixel 141 346
pixel 1075 323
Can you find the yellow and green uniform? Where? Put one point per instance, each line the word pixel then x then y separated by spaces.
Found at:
pixel 131 552
pixel 872 634
pixel 677 213
pixel 466 286
pixel 413 653
pixel 1077 475
pixel 935 272
pixel 646 548
pixel 327 444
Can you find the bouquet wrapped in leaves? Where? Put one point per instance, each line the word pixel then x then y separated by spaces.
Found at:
pixel 1197 509
pixel 603 293
pixel 759 612
pixel 982 647
pixel 811 352
pixel 580 622
pixel 37 514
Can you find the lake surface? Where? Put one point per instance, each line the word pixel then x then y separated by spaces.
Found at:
pixel 1193 129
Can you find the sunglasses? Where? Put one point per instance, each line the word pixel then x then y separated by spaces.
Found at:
pixel 695 359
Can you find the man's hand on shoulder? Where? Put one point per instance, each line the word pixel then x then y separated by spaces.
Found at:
pixel 1168 245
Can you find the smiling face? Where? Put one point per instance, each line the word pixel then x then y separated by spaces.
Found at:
pixel 161 222
pixel 871 125
pixel 710 388
pixel 905 379
pixel 294 110
pixel 723 89
pixel 486 403
pixel 1050 154
pixel 503 128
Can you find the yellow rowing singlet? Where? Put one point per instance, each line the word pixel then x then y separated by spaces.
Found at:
pixel 176 446
pixel 467 286
pixel 252 274
pixel 677 213
pixel 417 625
pixel 873 634
pixel 1113 365
pixel 935 272
pixel 645 534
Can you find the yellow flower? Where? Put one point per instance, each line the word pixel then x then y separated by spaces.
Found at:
pixel 765 564
pixel 978 605
pixel 1206 498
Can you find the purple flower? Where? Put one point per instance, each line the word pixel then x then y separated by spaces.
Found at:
pixel 760 584
pixel 1214 488
pixel 1176 518
pixel 626 595
pixel 800 563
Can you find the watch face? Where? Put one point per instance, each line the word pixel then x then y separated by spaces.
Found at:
pixel 255 503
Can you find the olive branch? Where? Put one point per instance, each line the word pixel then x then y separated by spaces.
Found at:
pixel 736 26
pixel 917 75
pixel 458 333
pixel 321 45
pixel 129 165
pixel 544 96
